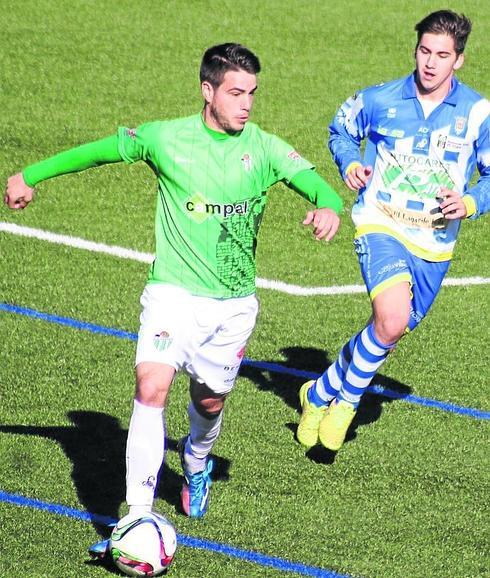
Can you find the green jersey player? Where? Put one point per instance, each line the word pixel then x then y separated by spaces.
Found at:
pixel 198 307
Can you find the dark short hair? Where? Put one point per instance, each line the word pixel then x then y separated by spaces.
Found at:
pixel 221 58
pixel 446 22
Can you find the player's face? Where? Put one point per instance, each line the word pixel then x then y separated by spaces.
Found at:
pixel 436 61
pixel 228 106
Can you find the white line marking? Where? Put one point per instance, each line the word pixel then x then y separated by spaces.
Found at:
pixel 280 286
pixel 76 242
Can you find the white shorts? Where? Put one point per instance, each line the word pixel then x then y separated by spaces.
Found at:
pixel 203 336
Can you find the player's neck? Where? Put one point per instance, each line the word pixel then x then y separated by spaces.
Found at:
pixel 214 128
pixel 437 95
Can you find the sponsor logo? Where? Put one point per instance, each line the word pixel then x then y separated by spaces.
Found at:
pixel 241 353
pixel 414 219
pixel 231 367
pixel 416 175
pixel 410 160
pixel 441 141
pixel 400 264
pixel 201 209
pixel 416 316
pixel 422 144
pixel 205 496
pixel 150 482
pixel 395 133
pixel 162 340
pixel 423 130
pixel 452 145
pixel 247 162
pixel 459 124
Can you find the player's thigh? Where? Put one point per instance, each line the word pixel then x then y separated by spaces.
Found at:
pixel 218 360
pixel 153 381
pixel 391 311
pixel 386 269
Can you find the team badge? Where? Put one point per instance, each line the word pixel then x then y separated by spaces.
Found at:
pixel 294 155
pixel 459 124
pixel 162 340
pixel 241 353
pixel 391 112
pixel 131 132
pixel 247 161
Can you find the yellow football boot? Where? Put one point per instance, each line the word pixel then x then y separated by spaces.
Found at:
pixel 333 427
pixel 311 417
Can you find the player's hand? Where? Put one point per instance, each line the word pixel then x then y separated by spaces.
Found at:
pixel 17 193
pixel 325 223
pixel 358 177
pixel 452 205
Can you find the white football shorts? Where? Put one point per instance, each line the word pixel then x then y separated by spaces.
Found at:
pixel 203 336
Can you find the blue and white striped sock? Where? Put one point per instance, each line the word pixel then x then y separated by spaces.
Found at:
pixel 368 356
pixel 328 385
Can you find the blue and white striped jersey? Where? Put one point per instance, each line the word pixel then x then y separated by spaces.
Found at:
pixel 412 157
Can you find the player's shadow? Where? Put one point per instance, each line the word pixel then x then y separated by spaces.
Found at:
pixel 285 378
pixel 96 446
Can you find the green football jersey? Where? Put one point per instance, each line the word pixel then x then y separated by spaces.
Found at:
pixel 211 197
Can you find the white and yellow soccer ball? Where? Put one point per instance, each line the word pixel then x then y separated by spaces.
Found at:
pixel 143 545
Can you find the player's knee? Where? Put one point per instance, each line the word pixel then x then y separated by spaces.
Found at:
pixel 209 407
pixel 150 390
pixel 390 328
pixel 207 402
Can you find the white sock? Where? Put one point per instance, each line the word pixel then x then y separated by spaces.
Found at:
pixel 144 455
pixel 139 510
pixel 204 433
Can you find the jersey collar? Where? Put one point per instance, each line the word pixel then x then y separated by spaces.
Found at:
pixel 215 135
pixel 409 89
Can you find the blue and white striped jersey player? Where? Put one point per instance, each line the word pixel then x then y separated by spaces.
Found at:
pixel 425 134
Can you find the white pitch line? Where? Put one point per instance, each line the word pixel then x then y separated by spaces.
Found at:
pixel 280 286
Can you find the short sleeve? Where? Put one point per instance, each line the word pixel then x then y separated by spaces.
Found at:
pixel 285 161
pixel 136 144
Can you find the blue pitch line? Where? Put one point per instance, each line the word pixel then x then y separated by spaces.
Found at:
pixel 67 321
pixel 273 367
pixel 377 390
pixel 182 539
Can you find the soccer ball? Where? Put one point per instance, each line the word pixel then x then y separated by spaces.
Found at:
pixel 143 545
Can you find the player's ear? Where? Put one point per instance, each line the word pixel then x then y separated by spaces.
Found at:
pixel 459 62
pixel 207 91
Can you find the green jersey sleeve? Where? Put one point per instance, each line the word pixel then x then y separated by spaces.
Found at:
pixel 285 161
pixel 80 158
pixel 311 186
pixel 137 144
